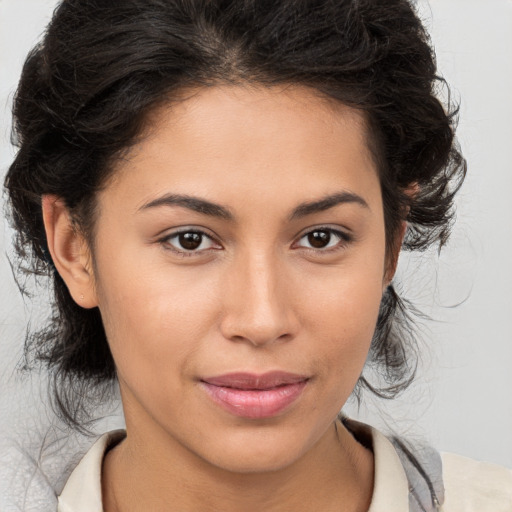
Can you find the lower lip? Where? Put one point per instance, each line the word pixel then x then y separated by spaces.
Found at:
pixel 254 403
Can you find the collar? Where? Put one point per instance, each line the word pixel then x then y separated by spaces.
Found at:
pixel 390 484
pixel 82 492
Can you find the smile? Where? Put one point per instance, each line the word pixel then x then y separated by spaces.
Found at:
pixel 255 396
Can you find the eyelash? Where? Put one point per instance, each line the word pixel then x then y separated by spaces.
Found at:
pixel 344 240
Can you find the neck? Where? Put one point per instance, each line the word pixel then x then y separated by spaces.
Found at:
pixel 151 471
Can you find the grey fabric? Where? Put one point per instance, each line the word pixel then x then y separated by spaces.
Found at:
pixel 23 485
pixel 37 457
pixel 422 465
pixel 424 470
pixel 34 471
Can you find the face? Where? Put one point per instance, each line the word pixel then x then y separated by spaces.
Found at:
pixel 239 267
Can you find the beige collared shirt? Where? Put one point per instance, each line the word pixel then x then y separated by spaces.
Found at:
pixel 471 486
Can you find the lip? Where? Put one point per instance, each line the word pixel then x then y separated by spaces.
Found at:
pixel 255 396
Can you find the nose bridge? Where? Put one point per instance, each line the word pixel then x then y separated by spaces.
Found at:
pixel 257 308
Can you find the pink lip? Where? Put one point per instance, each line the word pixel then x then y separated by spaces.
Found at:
pixel 255 396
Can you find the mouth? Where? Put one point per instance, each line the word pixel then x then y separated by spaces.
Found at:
pixel 255 396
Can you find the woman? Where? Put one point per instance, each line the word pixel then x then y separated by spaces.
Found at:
pixel 220 191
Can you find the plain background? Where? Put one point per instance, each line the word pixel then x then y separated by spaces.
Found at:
pixel 462 400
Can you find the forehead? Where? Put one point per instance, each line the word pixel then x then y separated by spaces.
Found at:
pixel 262 111
pixel 276 141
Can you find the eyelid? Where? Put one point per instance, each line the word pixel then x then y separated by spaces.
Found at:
pixel 344 236
pixel 164 241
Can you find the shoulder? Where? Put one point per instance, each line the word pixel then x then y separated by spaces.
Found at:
pixel 473 486
pixel 23 482
pixel 34 465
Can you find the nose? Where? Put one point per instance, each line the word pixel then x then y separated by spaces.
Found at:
pixel 257 306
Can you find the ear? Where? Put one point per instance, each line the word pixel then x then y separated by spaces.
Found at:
pixel 392 259
pixel 69 251
pixel 412 191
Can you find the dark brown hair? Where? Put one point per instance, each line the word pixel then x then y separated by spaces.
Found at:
pixel 103 65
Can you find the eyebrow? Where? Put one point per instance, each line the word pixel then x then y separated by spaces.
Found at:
pixel 326 203
pixel 195 204
pixel 205 207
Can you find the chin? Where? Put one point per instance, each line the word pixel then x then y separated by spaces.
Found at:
pixel 257 452
pixel 256 463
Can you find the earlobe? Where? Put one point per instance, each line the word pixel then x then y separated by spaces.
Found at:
pixel 69 251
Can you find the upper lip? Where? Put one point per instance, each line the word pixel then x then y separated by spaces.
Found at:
pixel 243 380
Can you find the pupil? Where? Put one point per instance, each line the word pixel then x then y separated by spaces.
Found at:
pixel 319 239
pixel 190 241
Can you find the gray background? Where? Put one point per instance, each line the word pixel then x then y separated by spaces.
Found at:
pixel 462 399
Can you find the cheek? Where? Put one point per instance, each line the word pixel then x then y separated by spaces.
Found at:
pixel 347 326
pixel 154 317
pixel 341 313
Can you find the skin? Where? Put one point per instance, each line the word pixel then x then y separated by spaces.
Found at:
pixel 255 296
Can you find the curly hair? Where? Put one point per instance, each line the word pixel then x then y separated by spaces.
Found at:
pixel 87 88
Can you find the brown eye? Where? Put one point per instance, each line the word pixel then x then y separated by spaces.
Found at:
pixel 323 239
pixel 190 241
pixel 319 239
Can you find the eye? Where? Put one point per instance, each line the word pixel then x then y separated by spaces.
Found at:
pixel 189 242
pixel 324 239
